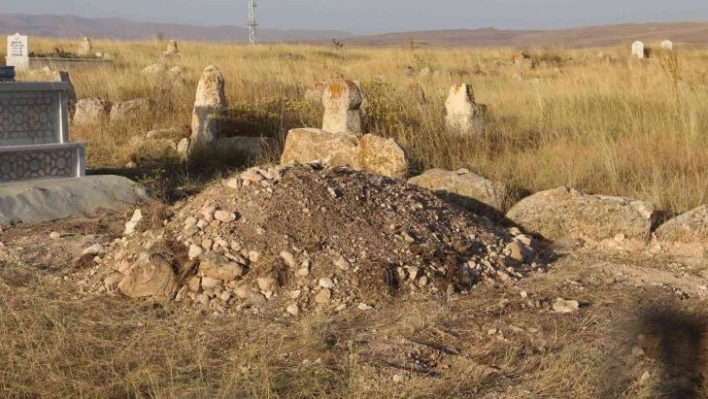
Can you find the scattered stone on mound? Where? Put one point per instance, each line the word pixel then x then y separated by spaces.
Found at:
pixel 566 213
pixel 691 226
pixel 285 241
pixel 465 188
pixel 370 153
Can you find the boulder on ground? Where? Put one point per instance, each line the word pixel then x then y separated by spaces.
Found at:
pixel 91 111
pixel 383 156
pixel 370 153
pixel 691 226
pixel 154 71
pixel 127 110
pixel 566 213
pixel 209 102
pixel 465 188
pixel 310 144
pixel 151 276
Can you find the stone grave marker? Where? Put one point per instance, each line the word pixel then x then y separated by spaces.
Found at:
pixel 667 45
pixel 638 50
pixel 17 52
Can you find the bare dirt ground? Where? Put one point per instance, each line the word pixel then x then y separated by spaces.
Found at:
pixel 638 332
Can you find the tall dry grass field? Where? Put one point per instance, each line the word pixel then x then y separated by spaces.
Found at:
pixel 626 128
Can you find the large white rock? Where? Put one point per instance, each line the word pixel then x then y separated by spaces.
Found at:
pixel 342 100
pixel 463 115
pixel 209 102
pixel 566 213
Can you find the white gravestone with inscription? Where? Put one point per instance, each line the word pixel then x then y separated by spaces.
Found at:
pixel 667 45
pixel 638 50
pixel 17 52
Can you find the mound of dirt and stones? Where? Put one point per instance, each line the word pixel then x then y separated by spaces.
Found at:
pixel 291 239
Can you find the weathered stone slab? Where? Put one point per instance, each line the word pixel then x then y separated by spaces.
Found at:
pixel 210 100
pixel 566 213
pixel 370 153
pixel 309 144
pixel 42 201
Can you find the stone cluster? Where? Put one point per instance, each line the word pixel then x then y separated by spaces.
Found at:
pixel 218 252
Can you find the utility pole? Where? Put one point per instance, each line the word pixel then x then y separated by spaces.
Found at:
pixel 252 24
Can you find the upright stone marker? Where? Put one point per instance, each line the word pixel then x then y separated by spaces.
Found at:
pixel 172 50
pixel 342 101
pixel 638 50
pixel 667 45
pixel 464 116
pixel 17 52
pixel 84 48
pixel 209 101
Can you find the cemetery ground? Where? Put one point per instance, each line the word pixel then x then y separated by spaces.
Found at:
pixel 587 321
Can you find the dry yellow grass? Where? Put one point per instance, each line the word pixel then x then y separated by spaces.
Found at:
pixel 627 128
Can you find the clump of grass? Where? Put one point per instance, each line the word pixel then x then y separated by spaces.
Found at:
pixel 614 129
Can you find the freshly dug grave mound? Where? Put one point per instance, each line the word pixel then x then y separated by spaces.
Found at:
pixel 292 239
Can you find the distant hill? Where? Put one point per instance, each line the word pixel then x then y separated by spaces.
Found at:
pixel 596 36
pixel 118 28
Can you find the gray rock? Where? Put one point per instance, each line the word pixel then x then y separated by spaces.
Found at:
pixel 126 110
pixel 219 267
pixel 42 201
pixel 566 213
pixel 91 111
pixel 465 188
pixel 691 226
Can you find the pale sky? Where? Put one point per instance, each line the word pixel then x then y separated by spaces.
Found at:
pixel 378 16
